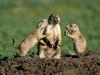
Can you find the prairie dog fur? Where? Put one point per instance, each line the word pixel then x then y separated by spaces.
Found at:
pixel 32 39
pixel 79 41
pixel 50 46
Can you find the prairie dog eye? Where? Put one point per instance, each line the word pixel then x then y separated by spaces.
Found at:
pixel 71 25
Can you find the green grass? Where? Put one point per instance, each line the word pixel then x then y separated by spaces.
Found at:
pixel 18 18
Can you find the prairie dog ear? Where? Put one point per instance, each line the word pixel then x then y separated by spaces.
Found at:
pixel 75 25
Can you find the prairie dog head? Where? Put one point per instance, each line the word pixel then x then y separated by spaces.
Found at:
pixel 72 31
pixel 54 19
pixel 42 25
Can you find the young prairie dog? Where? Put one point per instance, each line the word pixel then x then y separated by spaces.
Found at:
pixel 32 39
pixel 79 41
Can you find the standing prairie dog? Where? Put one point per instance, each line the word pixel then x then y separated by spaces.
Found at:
pixel 50 46
pixel 32 39
pixel 79 41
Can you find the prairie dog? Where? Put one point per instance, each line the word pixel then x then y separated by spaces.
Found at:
pixel 50 46
pixel 79 41
pixel 32 39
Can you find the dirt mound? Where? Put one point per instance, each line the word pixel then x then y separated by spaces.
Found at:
pixel 68 65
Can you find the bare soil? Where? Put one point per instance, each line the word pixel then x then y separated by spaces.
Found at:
pixel 67 65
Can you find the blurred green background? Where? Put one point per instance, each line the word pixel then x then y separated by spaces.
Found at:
pixel 18 18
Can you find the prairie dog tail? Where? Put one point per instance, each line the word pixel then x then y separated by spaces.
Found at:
pixel 13 43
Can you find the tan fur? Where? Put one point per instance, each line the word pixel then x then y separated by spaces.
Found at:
pixel 52 41
pixel 32 39
pixel 53 35
pixel 77 37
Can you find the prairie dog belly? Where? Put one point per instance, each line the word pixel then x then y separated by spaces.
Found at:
pixel 80 45
pixel 56 32
pixel 52 33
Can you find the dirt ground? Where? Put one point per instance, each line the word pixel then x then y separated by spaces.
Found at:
pixel 68 65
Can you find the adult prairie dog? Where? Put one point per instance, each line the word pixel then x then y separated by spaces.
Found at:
pixel 50 46
pixel 79 41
